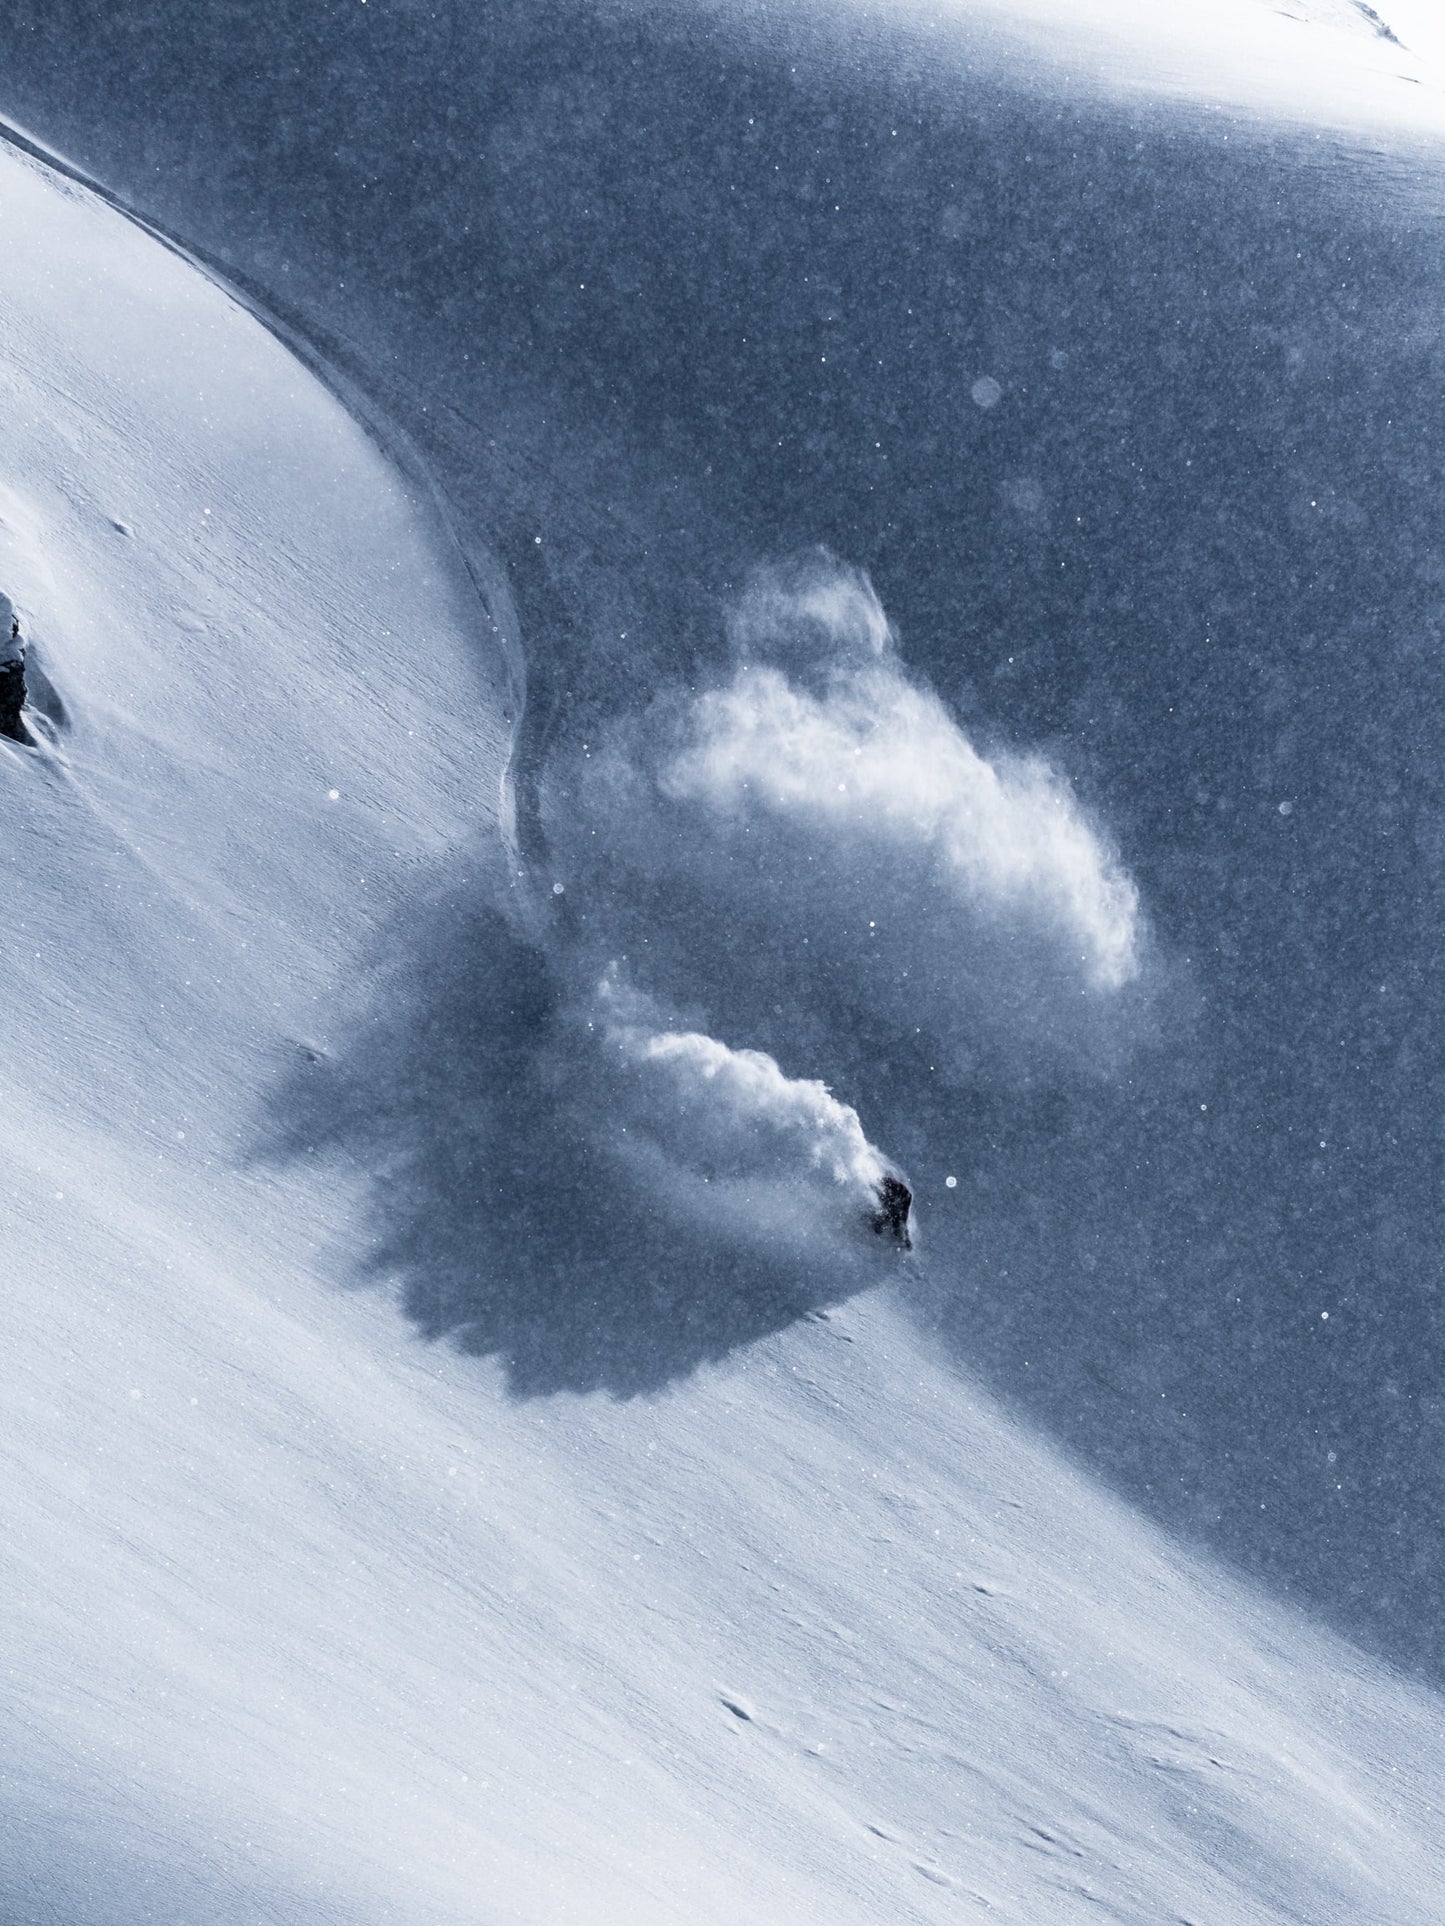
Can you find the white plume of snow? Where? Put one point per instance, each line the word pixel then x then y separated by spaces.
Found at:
pixel 811 611
pixel 799 1113
pixel 822 816
pixel 877 760
pixel 727 1131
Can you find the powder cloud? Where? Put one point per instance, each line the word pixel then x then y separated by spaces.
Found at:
pixel 813 843
pixel 878 764
pixel 735 1110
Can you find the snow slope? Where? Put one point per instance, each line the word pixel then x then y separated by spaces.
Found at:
pixel 304 1619
pixel 1338 64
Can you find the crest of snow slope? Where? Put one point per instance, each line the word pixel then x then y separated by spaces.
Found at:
pixel 303 1621
pixel 1340 64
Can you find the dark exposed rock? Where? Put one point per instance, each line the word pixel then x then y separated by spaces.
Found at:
pixel 895 1201
pixel 12 685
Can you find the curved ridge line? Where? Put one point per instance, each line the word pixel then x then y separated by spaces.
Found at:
pixel 328 364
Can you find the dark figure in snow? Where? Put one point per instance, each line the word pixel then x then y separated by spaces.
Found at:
pixel 12 684
pixel 895 1200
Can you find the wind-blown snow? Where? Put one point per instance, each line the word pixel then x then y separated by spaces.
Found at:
pixel 884 764
pixel 827 803
pixel 716 1084
pixel 876 761
pixel 725 1136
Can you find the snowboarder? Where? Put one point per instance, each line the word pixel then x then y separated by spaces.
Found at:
pixel 895 1201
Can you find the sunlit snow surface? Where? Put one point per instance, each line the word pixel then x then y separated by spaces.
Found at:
pixel 318 974
pixel 1321 64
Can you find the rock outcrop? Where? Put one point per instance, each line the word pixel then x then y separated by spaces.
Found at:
pixel 12 678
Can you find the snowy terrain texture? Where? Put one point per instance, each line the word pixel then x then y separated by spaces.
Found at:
pixel 648 631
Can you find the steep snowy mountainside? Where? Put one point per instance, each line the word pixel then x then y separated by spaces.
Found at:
pixel 306 1620
pixel 679 297
pixel 274 681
